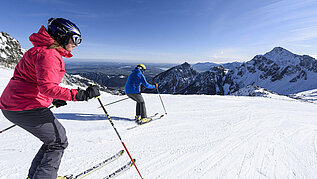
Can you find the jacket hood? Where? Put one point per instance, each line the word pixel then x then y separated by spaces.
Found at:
pixel 43 39
pixel 136 70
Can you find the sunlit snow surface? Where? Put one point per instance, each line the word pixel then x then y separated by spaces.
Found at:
pixel 201 137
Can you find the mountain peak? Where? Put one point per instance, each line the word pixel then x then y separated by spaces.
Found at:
pixel 281 56
pixel 186 65
pixel 278 51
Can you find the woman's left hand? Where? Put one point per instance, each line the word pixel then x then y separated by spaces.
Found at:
pixel 58 103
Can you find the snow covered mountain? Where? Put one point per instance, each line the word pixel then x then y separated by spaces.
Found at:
pixel 278 70
pixel 202 67
pixel 174 79
pixel 215 81
pixel 10 50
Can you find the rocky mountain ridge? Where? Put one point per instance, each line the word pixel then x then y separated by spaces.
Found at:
pixel 10 50
pixel 279 70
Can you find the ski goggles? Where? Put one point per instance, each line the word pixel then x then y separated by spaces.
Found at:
pixel 141 69
pixel 76 39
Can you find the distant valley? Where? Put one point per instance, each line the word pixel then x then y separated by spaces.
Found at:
pixel 113 75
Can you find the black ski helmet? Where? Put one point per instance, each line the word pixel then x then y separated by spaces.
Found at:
pixel 61 30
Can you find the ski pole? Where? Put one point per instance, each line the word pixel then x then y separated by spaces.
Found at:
pixel 7 128
pixel 115 102
pixel 104 109
pixel 161 99
pixel 15 124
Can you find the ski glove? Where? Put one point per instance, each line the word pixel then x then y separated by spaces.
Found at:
pixel 58 103
pixel 91 92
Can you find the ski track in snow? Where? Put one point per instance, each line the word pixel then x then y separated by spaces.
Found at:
pixel 316 143
pixel 201 137
pixel 255 143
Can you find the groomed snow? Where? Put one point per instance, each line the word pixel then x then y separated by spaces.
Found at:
pixel 201 137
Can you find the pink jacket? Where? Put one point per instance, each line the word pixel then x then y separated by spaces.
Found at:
pixel 36 78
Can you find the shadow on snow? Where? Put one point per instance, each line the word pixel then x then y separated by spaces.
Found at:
pixel 88 117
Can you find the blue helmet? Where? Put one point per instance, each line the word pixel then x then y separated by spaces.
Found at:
pixel 62 30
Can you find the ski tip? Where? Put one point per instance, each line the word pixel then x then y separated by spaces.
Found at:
pixel 121 152
pixel 65 177
pixel 134 160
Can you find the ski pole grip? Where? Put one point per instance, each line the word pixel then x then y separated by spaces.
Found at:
pixel 97 97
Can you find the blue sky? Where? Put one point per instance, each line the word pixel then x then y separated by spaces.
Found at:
pixel 172 31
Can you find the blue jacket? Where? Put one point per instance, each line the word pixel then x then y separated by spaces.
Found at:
pixel 135 79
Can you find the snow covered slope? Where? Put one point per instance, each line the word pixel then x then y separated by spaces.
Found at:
pixel 310 96
pixel 252 90
pixel 201 137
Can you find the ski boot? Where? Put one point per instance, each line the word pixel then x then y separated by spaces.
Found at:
pixel 145 120
pixel 138 119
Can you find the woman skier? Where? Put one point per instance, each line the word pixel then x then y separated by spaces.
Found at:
pixel 34 85
pixel 132 90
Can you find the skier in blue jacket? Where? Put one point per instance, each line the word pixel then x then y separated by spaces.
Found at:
pixel 132 90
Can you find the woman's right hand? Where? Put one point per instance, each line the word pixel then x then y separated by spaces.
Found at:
pixel 91 92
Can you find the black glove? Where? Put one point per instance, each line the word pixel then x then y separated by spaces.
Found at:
pixel 58 103
pixel 91 92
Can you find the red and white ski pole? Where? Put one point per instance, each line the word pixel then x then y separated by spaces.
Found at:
pixel 104 109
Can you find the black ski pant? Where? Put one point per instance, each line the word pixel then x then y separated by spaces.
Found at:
pixel 42 123
pixel 140 105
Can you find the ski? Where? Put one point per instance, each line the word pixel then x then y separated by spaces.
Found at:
pixel 95 167
pixel 120 170
pixel 140 122
pixel 156 117
pixel 153 116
